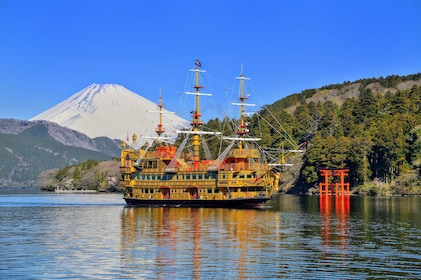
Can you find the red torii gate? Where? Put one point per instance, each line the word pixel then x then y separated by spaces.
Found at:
pixel 338 186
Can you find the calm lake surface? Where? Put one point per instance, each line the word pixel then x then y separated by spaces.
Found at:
pixel 94 236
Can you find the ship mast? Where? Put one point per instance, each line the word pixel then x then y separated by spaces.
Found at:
pixel 159 129
pixel 242 128
pixel 196 122
pixel 196 116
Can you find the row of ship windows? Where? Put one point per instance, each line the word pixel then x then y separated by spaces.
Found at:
pixel 206 176
pixel 151 191
pixel 242 189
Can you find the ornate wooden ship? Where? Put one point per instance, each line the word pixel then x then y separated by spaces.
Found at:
pixel 168 176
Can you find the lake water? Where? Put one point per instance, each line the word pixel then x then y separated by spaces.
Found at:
pixel 94 236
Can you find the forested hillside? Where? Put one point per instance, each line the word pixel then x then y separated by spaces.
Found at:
pixel 372 126
pixel 377 134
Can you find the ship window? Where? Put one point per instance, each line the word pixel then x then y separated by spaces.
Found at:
pixel 241 176
pixel 187 177
pixel 138 176
pixel 209 190
pixel 151 190
pixel 216 191
pixel 249 176
pixel 148 177
pixel 146 190
pixel 153 177
pixel 143 176
pixel 150 164
pixel 194 176
pixel 210 175
pixel 200 176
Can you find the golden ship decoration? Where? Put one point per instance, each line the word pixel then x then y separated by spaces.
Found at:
pixel 166 175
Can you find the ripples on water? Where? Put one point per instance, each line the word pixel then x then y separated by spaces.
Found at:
pixel 94 236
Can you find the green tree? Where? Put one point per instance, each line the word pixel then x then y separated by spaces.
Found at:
pixel 346 116
pixel 302 113
pixel 367 109
pixel 61 173
pixel 357 159
pixel 76 176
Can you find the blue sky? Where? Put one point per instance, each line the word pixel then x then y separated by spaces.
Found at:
pixel 52 49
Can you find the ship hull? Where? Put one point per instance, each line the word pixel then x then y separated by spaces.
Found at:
pixel 198 203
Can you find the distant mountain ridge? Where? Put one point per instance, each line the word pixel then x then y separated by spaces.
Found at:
pixel 30 147
pixel 64 135
pixel 112 111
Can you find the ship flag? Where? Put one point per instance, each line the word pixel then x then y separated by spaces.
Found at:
pixel 198 64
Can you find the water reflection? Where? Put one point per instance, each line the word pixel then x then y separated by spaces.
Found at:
pixel 201 240
pixel 335 217
pixel 95 237
pixel 296 237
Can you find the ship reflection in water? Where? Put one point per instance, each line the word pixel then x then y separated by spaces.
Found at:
pixel 158 241
pixel 296 237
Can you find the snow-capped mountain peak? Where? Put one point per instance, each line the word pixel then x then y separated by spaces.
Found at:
pixel 110 110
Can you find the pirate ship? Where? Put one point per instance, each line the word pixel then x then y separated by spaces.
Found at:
pixel 169 176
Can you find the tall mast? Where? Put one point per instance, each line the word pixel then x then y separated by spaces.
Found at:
pixel 196 117
pixel 160 127
pixel 159 130
pixel 242 128
pixel 196 122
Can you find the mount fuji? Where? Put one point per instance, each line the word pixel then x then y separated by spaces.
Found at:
pixel 112 111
